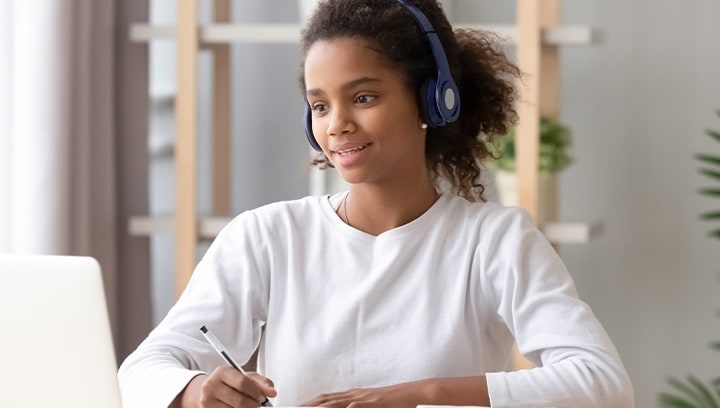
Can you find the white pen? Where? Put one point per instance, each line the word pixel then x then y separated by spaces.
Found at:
pixel 210 337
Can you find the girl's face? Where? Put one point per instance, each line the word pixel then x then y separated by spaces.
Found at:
pixel 363 114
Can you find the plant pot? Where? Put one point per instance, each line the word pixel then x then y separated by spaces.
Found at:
pixel 507 187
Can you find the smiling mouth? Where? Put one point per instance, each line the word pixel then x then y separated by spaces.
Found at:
pixel 348 152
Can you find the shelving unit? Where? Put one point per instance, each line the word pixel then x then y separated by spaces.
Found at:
pixel 289 33
pixel 538 36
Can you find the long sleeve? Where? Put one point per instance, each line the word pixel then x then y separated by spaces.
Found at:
pixel 228 293
pixel 576 363
pixel 442 296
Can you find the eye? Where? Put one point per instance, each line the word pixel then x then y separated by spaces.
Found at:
pixel 318 107
pixel 362 99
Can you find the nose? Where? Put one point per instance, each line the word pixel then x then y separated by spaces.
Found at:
pixel 340 122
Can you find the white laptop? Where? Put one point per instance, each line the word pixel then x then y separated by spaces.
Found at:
pixel 56 349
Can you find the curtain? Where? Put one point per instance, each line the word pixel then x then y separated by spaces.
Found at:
pixel 59 146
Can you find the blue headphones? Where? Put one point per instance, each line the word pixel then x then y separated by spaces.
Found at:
pixel 439 96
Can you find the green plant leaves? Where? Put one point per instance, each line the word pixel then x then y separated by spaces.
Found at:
pixel 710 191
pixel 689 394
pixel 708 159
pixel 671 401
pixel 713 215
pixel 555 141
pixel 712 173
pixel 692 393
pixel 712 133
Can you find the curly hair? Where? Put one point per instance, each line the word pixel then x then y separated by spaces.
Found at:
pixel 481 70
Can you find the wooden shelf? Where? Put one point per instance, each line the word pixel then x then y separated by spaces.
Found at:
pixel 290 33
pixel 209 227
pixel 572 232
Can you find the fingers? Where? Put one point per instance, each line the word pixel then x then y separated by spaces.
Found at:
pixel 249 386
pixel 335 399
pixel 224 397
pixel 266 384
pixel 355 398
pixel 227 387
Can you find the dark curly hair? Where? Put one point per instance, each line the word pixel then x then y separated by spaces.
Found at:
pixel 480 68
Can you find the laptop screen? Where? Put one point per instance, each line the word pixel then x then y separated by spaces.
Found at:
pixel 55 342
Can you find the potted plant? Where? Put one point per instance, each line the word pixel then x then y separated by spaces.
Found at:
pixel 691 392
pixel 554 156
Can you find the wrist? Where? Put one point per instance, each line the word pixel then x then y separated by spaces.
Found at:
pixel 454 391
pixel 189 397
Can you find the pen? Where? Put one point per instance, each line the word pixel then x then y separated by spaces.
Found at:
pixel 210 337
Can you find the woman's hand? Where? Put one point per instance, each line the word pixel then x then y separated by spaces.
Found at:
pixel 407 395
pixel 430 391
pixel 224 387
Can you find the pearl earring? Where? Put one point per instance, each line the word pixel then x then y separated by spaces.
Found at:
pixel 423 125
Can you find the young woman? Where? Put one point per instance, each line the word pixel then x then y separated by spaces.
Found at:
pixel 407 289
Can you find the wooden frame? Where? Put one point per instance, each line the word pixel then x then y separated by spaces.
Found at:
pixel 539 96
pixel 186 121
pixel 185 147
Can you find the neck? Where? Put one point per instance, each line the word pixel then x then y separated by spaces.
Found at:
pixel 377 209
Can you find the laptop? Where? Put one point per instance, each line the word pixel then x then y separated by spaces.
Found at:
pixel 56 347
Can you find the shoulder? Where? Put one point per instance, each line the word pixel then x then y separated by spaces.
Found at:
pixel 493 229
pixel 306 206
pixel 282 215
pixel 489 216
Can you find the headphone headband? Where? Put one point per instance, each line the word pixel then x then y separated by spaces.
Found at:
pixel 430 34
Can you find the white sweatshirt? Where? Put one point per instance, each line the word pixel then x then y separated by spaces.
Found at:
pixel 334 308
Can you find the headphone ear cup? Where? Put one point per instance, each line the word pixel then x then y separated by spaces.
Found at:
pixel 308 128
pixel 449 106
pixel 428 104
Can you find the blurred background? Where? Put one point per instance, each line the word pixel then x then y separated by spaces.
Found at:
pixel 87 139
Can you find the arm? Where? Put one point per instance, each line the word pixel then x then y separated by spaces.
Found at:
pixel 533 293
pixel 431 391
pixel 227 286
pixel 525 288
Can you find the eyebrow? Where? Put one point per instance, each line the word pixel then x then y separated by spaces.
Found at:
pixel 347 86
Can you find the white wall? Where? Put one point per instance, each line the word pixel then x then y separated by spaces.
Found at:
pixel 638 104
pixel 652 88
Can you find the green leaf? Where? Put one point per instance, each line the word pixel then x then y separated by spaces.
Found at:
pixel 708 158
pixel 715 346
pixel 710 173
pixel 710 215
pixel 710 191
pixel 671 401
pixel 713 133
pixel 715 160
pixel 555 139
pixel 689 390
pixel 708 398
pixel 715 234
